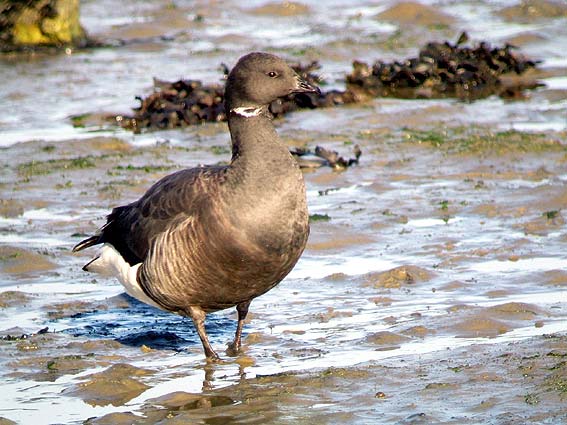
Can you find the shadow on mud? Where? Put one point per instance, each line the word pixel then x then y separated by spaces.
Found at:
pixel 144 326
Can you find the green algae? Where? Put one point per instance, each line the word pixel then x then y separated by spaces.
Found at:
pixel 461 141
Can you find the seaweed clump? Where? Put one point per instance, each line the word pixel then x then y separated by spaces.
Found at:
pixel 444 70
pixel 189 102
pixel 178 104
pixel 440 70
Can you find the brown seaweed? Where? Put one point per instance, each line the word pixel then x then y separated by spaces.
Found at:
pixel 189 102
pixel 177 104
pixel 440 70
pixel 443 70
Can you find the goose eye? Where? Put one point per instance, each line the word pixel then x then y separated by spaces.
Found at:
pixel 272 74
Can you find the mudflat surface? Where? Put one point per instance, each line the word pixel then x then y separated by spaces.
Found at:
pixel 433 286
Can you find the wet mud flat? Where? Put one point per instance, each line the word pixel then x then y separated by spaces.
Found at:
pixel 433 286
pixel 430 292
pixel 491 382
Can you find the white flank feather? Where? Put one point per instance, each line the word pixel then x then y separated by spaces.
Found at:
pixel 111 263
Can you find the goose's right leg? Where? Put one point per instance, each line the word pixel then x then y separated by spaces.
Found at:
pixel 198 316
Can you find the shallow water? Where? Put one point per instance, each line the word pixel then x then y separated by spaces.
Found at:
pixel 481 262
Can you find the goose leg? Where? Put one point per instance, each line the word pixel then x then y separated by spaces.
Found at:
pixel 242 310
pixel 198 316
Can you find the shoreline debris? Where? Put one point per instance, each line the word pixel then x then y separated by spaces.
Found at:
pixel 324 157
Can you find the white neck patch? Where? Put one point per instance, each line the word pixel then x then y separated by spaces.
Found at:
pixel 247 111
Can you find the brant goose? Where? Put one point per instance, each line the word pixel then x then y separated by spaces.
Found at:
pixel 209 238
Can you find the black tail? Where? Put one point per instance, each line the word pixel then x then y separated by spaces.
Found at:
pixel 93 240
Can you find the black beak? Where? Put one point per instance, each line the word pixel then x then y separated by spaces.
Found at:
pixel 303 86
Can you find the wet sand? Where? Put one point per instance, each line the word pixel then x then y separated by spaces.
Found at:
pixel 431 291
pixel 444 324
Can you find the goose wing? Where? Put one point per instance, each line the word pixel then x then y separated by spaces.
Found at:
pixel 132 228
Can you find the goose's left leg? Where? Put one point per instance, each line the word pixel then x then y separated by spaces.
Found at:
pixel 242 310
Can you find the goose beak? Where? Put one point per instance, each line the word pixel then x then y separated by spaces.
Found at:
pixel 303 86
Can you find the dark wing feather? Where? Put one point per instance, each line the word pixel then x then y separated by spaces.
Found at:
pixel 131 228
pixel 90 241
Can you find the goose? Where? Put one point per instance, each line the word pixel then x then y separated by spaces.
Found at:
pixel 213 237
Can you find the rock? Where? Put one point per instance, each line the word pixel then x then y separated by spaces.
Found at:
pixel 40 23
